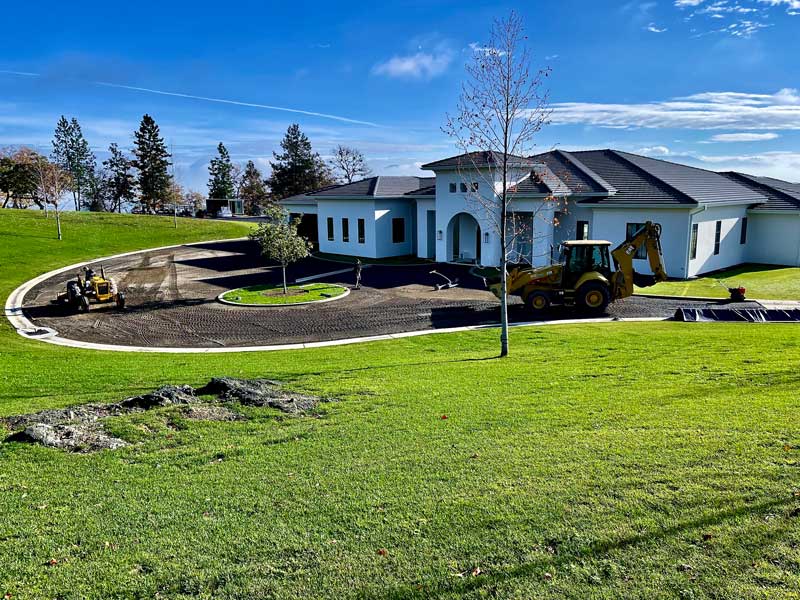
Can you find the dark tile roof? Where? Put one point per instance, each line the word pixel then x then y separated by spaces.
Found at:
pixel 376 187
pixel 427 187
pixel 781 195
pixel 477 159
pixel 568 169
pixel 541 181
pixel 633 184
pixel 702 186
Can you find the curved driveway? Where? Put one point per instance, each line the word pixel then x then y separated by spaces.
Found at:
pixel 171 302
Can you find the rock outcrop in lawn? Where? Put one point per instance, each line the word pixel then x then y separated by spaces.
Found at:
pixel 80 428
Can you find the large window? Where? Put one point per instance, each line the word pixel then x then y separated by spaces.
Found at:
pixel 630 231
pixel 330 229
pixel 743 232
pixel 361 231
pixel 717 237
pixel 345 230
pixel 398 231
pixel 582 230
pixel 693 243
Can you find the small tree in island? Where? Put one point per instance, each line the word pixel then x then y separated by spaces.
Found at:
pixel 280 241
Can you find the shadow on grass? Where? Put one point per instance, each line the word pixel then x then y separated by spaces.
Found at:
pixel 596 550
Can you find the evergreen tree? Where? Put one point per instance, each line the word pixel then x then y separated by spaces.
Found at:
pixel 72 154
pixel 152 161
pixel 253 190
pixel 220 171
pixel 120 180
pixel 298 169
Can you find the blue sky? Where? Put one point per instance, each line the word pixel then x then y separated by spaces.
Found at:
pixel 710 83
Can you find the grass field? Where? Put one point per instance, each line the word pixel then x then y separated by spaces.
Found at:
pixel 762 282
pixel 633 460
pixel 273 294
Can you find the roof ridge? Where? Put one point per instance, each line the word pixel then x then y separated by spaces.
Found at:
pixel 587 171
pixel 669 162
pixel 621 156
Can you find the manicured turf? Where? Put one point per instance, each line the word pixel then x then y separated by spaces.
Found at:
pixel 633 460
pixel 273 294
pixel 762 281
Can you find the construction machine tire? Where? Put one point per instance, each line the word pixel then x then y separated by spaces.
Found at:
pixel 120 300
pixel 83 304
pixel 593 297
pixel 537 302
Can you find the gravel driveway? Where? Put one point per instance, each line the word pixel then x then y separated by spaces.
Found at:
pixel 172 302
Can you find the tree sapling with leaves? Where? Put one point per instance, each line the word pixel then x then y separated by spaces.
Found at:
pixel 280 241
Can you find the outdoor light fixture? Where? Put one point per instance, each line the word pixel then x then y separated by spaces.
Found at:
pixel 485 238
pixel 439 235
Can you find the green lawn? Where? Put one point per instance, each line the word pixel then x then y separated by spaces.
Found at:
pixel 273 294
pixel 633 460
pixel 762 282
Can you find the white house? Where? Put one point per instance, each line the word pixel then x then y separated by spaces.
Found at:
pixel 709 220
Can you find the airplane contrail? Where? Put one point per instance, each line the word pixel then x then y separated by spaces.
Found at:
pixel 208 99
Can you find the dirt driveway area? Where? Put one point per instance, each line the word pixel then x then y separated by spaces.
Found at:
pixel 171 302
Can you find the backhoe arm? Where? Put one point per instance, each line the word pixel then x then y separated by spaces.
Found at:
pixel 625 276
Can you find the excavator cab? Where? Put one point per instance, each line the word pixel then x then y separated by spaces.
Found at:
pixel 579 257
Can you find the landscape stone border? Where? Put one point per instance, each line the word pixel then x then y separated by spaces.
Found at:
pixel 288 304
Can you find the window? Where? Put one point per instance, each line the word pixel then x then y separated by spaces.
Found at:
pixel 630 231
pixel 463 188
pixel 693 243
pixel 398 231
pixel 582 230
pixel 473 186
pixel 717 237
pixel 452 188
pixel 330 229
pixel 743 232
pixel 345 230
pixel 361 235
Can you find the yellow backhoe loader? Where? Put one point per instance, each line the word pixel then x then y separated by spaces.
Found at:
pixel 583 277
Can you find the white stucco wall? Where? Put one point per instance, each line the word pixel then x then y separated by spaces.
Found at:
pixel 352 210
pixel 731 252
pixel 773 239
pixel 610 224
pixel 568 217
pixel 384 212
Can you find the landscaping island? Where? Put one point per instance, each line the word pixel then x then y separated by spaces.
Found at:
pixel 273 295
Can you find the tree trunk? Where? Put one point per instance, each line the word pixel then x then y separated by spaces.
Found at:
pixel 8 197
pixel 58 222
pixel 285 289
pixel 504 260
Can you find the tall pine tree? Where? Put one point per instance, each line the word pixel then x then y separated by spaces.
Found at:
pixel 298 169
pixel 121 183
pixel 72 154
pixel 220 171
pixel 152 161
pixel 253 191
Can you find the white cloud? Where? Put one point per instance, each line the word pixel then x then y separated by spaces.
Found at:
pixel 655 29
pixel 422 65
pixel 711 110
pixel 654 151
pixel 744 137
pixel 779 164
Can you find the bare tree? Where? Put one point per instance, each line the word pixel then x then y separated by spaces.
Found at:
pixel 349 164
pixel 502 106
pixel 53 183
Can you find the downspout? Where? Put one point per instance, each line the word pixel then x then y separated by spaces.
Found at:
pixel 692 213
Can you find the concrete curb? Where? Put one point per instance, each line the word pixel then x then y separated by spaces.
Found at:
pixel 288 305
pixel 59 341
